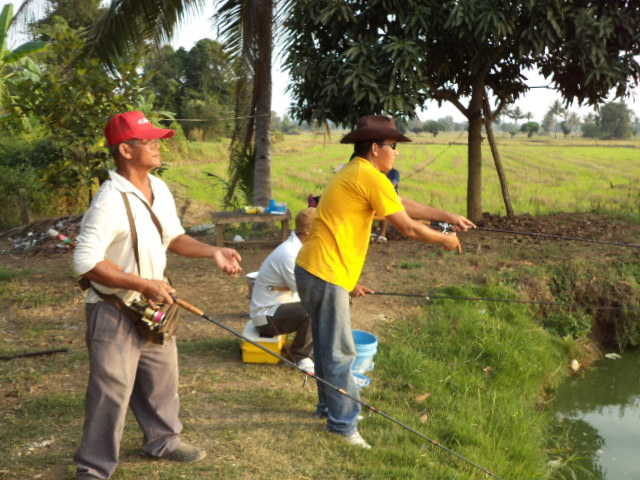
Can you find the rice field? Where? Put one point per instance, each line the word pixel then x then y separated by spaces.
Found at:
pixel 545 175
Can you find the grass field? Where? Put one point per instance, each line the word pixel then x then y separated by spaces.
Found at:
pixel 475 376
pixel 545 175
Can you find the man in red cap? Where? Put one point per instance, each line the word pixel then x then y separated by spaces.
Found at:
pixel 330 261
pixel 121 250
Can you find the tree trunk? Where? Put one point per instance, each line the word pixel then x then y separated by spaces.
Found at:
pixel 488 123
pixel 263 86
pixel 474 178
pixel 489 118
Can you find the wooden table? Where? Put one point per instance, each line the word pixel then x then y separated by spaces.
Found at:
pixel 220 219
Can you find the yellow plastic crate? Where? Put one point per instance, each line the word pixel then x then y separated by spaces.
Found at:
pixel 253 354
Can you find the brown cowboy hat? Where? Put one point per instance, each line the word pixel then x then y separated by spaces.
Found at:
pixel 375 127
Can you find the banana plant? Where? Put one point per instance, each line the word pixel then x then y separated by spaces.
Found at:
pixel 18 56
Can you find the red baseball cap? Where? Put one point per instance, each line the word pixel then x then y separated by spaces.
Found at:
pixel 128 125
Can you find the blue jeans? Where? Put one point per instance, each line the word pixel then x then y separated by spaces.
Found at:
pixel 334 351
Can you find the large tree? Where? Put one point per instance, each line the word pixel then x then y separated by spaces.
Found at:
pixel 615 121
pixel 353 57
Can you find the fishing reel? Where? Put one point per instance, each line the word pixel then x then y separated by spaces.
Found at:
pixel 443 227
pixel 154 317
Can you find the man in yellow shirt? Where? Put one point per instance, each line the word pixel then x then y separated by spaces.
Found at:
pixel 331 259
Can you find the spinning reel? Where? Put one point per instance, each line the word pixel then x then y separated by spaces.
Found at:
pixel 154 317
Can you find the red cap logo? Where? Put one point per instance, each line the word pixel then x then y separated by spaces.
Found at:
pixel 129 125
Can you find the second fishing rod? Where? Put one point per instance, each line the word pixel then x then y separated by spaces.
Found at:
pixel 196 311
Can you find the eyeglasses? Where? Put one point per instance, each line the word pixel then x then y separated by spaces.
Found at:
pixel 155 143
pixel 392 145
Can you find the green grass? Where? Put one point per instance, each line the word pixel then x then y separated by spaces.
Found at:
pixel 472 376
pixel 468 356
pixel 545 175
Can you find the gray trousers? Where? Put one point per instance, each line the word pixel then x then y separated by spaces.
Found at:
pixel 125 370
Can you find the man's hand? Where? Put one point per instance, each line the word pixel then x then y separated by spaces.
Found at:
pixel 157 291
pixel 451 242
pixel 460 223
pixel 360 291
pixel 227 260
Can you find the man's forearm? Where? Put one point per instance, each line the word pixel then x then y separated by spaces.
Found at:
pixel 419 211
pixel 190 247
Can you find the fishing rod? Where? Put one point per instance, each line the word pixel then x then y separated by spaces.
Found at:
pixel 558 237
pixel 33 354
pixel 447 228
pixel 429 296
pixel 196 311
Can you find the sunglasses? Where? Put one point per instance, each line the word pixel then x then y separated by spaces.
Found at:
pixel 155 143
pixel 392 145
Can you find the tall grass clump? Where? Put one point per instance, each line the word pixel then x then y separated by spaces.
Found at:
pixel 472 376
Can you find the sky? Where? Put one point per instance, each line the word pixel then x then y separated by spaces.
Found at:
pixel 537 101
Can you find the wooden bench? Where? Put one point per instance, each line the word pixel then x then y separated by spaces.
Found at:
pixel 220 219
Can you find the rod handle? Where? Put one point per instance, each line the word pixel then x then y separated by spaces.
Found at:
pixel 188 306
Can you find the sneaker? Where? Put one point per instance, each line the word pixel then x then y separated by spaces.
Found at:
pixel 185 453
pixel 307 365
pixel 356 439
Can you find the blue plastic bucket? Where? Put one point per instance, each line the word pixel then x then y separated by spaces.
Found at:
pixel 366 348
pixel 361 379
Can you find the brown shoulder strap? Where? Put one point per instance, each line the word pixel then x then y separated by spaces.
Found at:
pixel 134 233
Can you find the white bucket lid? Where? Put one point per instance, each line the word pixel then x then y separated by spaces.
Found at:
pixel 251 277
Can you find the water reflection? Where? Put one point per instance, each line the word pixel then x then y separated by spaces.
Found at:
pixel 602 413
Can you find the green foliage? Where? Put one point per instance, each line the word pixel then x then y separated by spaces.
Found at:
pixel 42 200
pixel 615 121
pixel 433 127
pixel 197 85
pixel 77 13
pixel 591 127
pixel 360 57
pixel 18 56
pixel 467 357
pixel 530 128
pixel 73 101
pixel 577 324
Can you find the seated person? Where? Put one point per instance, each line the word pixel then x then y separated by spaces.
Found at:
pixel 394 177
pixel 275 305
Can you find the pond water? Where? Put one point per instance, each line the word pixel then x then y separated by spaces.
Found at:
pixel 601 413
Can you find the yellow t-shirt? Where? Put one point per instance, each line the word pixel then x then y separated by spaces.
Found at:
pixel 337 246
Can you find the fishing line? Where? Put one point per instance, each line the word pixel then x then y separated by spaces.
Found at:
pixel 499 300
pixel 557 237
pixel 196 311
pixel 436 157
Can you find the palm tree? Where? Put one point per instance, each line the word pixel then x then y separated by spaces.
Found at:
pixel 247 25
pixel 556 109
pixel 127 24
pixel 516 114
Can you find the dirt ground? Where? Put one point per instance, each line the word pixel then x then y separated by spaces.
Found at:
pixel 399 265
pixel 45 310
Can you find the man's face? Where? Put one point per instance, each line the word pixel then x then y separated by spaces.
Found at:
pixel 144 153
pixel 386 154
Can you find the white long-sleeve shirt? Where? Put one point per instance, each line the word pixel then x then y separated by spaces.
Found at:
pixel 105 232
pixel 276 271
